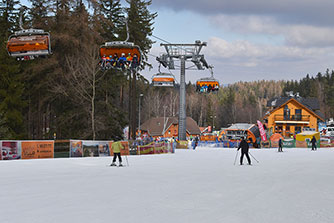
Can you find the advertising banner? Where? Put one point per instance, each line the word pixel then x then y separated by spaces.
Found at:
pixel 10 150
pixel 126 133
pixel 182 144
pixel 90 148
pixel 147 149
pixel 274 144
pixel 160 148
pixel 104 149
pixel 76 148
pixel 321 126
pixel 289 143
pixel 262 132
pixel 306 143
pixel 233 144
pixel 274 139
pixel 309 143
pixel 301 144
pixel 37 149
pixel 95 148
pixel 325 142
pixel 265 144
pixel 124 152
pixel 155 148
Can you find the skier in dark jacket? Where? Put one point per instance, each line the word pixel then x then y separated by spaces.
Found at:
pixel 244 150
pixel 196 142
pixel 280 145
pixel 314 143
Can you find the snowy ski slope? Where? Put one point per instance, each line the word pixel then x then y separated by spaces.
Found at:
pixel 296 186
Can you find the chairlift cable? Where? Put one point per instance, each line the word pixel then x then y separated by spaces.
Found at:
pixel 160 39
pixel 167 42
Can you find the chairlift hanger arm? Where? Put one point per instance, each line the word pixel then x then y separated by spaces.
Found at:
pixel 211 70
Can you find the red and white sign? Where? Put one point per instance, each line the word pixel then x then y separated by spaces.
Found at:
pixel 262 132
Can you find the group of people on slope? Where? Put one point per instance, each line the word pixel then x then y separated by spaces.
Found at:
pixel 313 142
pixel 207 88
pixel 123 62
pixel 244 146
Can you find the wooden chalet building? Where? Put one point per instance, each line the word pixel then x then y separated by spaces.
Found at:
pixel 290 115
pixel 168 127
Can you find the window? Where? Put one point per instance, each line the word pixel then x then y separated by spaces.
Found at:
pixel 286 113
pixel 298 129
pixel 279 128
pixel 298 114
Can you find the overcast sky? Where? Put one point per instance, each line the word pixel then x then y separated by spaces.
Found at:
pixel 250 39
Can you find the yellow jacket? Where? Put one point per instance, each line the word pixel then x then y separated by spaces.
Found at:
pixel 117 146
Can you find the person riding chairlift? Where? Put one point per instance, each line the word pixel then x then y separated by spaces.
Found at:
pixel 128 60
pixel 103 61
pixel 135 61
pixel 122 61
pixel 115 62
pixel 109 62
pixel 198 88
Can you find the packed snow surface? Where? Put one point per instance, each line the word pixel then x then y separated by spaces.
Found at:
pixel 201 185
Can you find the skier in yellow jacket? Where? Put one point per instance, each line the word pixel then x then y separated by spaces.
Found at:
pixel 116 147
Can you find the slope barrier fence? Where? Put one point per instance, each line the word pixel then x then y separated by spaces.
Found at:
pixel 41 149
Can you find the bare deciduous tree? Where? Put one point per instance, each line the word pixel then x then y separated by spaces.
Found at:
pixel 80 81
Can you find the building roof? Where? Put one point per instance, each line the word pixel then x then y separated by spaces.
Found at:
pixel 155 126
pixel 241 126
pixel 255 130
pixel 319 113
pixel 307 106
pixel 310 103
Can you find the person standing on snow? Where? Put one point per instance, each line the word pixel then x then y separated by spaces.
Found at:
pixel 280 144
pixel 244 150
pixel 195 143
pixel 116 147
pixel 314 143
pixel 173 144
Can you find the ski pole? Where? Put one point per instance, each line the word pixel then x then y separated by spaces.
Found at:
pixel 253 157
pixel 127 162
pixel 236 155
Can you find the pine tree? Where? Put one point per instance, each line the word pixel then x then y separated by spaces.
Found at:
pixel 11 85
pixel 109 18
pixel 140 22
pixel 39 13
pixel 140 26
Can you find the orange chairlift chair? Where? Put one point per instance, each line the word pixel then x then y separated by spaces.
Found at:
pixel 207 84
pixel 163 79
pixel 29 43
